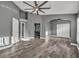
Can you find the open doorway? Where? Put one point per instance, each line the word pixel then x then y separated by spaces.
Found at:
pixel 37 30
pixel 22 29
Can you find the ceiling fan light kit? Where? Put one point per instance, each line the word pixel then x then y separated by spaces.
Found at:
pixel 36 8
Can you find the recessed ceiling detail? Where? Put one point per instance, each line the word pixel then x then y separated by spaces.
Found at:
pixel 36 8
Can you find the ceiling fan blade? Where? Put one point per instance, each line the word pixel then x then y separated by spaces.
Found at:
pixel 27 3
pixel 43 3
pixel 28 9
pixel 32 11
pixel 35 3
pixel 37 12
pixel 45 8
pixel 41 11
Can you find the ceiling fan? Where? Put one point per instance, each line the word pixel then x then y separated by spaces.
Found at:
pixel 36 8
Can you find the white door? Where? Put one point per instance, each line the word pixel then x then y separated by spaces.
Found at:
pixel 15 32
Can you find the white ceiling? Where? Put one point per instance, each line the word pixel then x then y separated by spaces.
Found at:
pixel 57 7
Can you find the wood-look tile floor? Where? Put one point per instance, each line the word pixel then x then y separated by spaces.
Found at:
pixel 38 49
pixel 21 49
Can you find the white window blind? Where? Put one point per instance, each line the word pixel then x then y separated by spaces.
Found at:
pixel 63 30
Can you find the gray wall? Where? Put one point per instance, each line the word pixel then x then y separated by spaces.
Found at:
pixel 53 28
pixel 70 17
pixel 7 11
pixel 6 14
pixel 33 18
pixel 53 25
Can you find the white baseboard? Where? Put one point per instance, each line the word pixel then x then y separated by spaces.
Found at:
pixel 30 38
pixel 6 47
pixel 75 45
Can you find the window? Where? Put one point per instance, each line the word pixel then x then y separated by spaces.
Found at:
pixel 63 30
